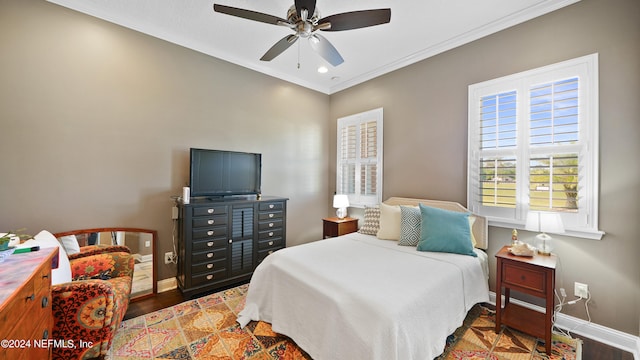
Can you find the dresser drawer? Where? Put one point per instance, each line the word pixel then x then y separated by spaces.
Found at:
pixel 210 244
pixel 210 220
pixel 208 256
pixel 267 225
pixel 525 277
pixel 217 231
pixel 268 206
pixel 270 215
pixel 209 266
pixel 270 244
pixel 209 210
pixel 270 234
pixel 210 277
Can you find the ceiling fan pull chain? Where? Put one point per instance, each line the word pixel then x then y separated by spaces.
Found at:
pixel 298 55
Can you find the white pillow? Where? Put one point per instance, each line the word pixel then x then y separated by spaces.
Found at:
pixel 70 244
pixel 63 273
pixel 389 222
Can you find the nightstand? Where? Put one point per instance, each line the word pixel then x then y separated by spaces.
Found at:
pixel 334 226
pixel 535 276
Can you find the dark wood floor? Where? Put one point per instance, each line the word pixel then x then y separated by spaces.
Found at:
pixel 591 350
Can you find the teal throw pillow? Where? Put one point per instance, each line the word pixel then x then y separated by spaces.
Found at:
pixel 445 231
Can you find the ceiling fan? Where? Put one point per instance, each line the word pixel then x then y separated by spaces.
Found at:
pixel 303 18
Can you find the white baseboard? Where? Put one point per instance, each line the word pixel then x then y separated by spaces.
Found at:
pixel 167 284
pixel 605 335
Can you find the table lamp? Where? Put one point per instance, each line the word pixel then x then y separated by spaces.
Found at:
pixel 541 221
pixel 341 202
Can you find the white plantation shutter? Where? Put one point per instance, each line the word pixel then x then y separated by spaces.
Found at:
pixel 359 165
pixel 533 145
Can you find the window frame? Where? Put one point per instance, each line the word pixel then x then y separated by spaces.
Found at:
pixel 584 222
pixel 358 200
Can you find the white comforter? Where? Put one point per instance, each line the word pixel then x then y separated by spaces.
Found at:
pixel 358 297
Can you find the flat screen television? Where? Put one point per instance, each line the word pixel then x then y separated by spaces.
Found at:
pixel 224 173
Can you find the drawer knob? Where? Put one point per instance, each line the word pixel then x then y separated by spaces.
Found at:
pixel 230 241
pixel 271 206
pixel 270 233
pixel 210 255
pixel 270 224
pixel 270 252
pixel 32 297
pixel 210 211
pixel 270 243
pixel 210 232
pixel 45 302
pixel 209 266
pixel 209 277
pixel 45 334
pixel 45 276
pixel 271 215
pixel 211 221
pixel 210 244
pixel 522 277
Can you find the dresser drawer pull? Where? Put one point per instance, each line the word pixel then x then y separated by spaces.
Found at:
pixel 210 232
pixel 210 211
pixel 211 221
pixel 45 276
pixel 270 243
pixel 45 334
pixel 32 297
pixel 271 224
pixel 209 277
pixel 271 215
pixel 210 244
pixel 271 206
pixel 270 252
pixel 270 233
pixel 45 302
pixel 523 278
pixel 209 266
pixel 210 255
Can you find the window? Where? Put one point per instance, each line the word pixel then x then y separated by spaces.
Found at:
pixel 359 163
pixel 533 145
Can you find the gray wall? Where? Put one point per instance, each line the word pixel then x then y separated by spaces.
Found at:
pixel 96 122
pixel 425 137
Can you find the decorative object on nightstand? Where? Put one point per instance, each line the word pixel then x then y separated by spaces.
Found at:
pixel 544 222
pixel 333 226
pixel 534 276
pixel 341 202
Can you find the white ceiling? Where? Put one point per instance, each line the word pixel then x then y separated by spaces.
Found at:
pixel 418 29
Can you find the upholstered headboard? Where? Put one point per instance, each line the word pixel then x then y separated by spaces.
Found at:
pixel 480 226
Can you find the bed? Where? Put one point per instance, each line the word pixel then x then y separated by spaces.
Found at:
pixel 360 297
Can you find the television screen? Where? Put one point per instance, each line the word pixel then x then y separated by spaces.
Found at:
pixel 221 173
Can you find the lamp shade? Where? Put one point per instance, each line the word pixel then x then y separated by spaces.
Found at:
pixel 340 201
pixel 544 222
pixel 541 221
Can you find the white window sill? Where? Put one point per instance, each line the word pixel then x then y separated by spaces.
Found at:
pixel 580 233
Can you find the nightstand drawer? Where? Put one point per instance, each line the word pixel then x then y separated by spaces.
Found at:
pixel 520 276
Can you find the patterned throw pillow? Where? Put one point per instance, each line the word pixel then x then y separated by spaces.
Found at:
pixel 410 225
pixel 371 221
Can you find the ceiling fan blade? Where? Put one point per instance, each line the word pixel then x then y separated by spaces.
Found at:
pixel 310 5
pixel 323 47
pixel 354 20
pixel 279 47
pixel 251 15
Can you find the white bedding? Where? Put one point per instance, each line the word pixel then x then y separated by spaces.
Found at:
pixel 358 297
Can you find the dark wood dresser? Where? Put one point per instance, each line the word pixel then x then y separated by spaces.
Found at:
pixel 221 241
pixel 26 317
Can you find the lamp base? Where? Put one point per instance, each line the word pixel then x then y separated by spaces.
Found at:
pixel 341 213
pixel 544 244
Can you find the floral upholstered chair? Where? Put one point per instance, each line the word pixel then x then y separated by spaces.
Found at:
pixel 90 308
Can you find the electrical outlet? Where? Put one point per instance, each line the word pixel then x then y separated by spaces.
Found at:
pixel 168 257
pixel 581 290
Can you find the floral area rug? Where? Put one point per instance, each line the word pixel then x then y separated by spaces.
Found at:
pixel 206 328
